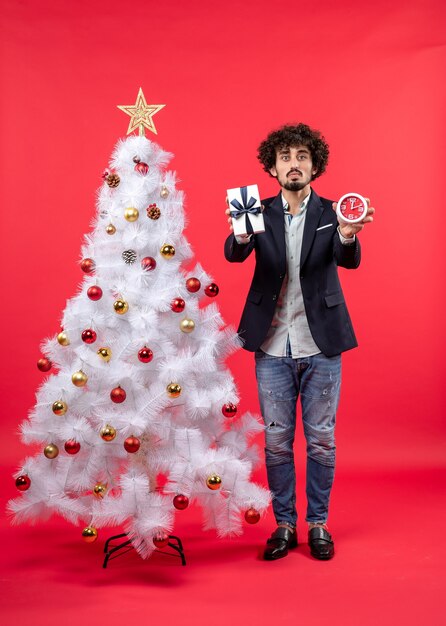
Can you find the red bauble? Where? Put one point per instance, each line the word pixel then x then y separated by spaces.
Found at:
pixel 181 502
pixel 94 293
pixel 148 263
pixel 89 336
pixel 252 516
pixel 193 285
pixel 229 409
pixel 141 168
pixel 132 444
pixel 211 290
pixel 72 446
pixel 118 395
pixel 178 305
pixel 23 482
pixel 87 265
pixel 44 364
pixel 161 540
pixel 145 355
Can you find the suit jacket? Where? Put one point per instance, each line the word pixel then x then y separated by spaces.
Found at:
pixel 322 253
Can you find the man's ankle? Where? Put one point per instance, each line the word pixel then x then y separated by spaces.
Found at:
pixel 285 525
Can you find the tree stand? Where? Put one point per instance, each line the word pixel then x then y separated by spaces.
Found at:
pixel 113 550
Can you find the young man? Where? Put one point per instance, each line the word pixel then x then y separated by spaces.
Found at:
pixel 296 321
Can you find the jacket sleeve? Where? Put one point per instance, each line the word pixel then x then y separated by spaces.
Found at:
pixel 236 252
pixel 347 256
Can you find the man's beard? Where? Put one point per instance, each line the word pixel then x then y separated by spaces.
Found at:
pixel 294 185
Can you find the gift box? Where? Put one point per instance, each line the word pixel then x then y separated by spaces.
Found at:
pixel 246 211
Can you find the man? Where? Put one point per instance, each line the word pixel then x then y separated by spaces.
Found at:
pixel 296 321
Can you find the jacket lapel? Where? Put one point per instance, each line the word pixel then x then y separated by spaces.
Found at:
pixel 314 212
pixel 276 216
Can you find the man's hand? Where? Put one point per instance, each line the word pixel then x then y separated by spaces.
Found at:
pixel 348 230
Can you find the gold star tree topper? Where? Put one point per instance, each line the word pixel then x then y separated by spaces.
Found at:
pixel 141 114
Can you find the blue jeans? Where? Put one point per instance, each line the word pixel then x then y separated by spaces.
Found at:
pixel 280 380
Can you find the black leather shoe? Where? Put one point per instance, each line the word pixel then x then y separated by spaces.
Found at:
pixel 321 543
pixel 279 543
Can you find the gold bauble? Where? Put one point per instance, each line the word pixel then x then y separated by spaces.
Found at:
pixel 131 214
pixel 99 490
pixel 121 307
pixel 164 192
pixel 51 451
pixel 79 379
pixel 89 534
pixel 108 433
pixel 213 482
pixel 62 338
pixel 105 354
pixel 173 390
pixel 59 407
pixel 167 251
pixel 110 229
pixel 187 325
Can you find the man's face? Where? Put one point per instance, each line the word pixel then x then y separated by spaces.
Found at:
pixel 294 168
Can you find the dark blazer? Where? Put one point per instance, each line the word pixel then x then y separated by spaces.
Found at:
pixel 322 252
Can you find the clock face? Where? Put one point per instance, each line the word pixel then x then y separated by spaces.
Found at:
pixel 352 207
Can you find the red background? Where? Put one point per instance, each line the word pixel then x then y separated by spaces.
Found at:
pixel 369 75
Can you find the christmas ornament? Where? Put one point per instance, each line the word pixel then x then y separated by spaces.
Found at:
pixel 145 355
pixel 181 502
pixel 89 534
pixel 131 214
pixel 187 325
pixel 87 266
pixel 252 516
pixel 141 114
pixel 178 305
pixel 110 229
pixel 148 263
pixel 142 168
pixel 213 482
pixel 351 208
pixel 62 338
pixel 88 335
pixel 23 483
pixel 59 407
pixel 193 285
pixel 105 354
pixel 72 446
pixel 161 540
pixel 164 192
pixel 108 433
pixel 229 409
pixel 118 395
pixel 51 451
pixel 79 379
pixel 211 290
pixel 167 251
pixel 129 256
pixel 44 365
pixel 132 444
pixel 99 490
pixel 121 307
pixel 112 180
pixel 153 212
pixel 94 293
pixel 173 390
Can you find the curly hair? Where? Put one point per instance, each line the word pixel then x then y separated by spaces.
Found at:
pixel 291 136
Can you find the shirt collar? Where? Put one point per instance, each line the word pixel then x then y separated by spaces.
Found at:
pixel 303 205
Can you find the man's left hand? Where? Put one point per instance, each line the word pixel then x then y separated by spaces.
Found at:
pixel 348 230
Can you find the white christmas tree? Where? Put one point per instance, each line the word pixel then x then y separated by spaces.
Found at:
pixel 140 415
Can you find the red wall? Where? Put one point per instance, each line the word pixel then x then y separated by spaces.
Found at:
pixel 370 75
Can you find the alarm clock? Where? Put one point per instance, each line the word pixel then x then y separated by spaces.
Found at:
pixel 352 208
